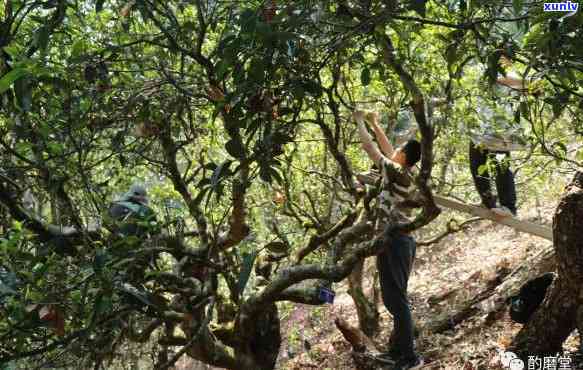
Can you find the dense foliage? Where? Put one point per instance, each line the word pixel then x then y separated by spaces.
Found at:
pixel 236 116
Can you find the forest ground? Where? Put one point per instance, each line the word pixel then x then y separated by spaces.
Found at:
pixel 460 264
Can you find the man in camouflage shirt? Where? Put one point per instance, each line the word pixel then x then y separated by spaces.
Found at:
pixel 396 260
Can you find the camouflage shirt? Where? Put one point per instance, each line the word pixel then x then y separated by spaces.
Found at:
pixel 396 193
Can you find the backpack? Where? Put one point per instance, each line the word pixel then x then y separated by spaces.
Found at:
pixel 529 298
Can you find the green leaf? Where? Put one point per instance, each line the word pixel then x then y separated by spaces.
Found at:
pixel 100 259
pixel 298 92
pixel 248 21
pixel 265 32
pixel 39 269
pixel 210 166
pixel 561 148
pixel 138 295
pixel 222 68
pixel 9 78
pixel 76 297
pixel 23 92
pixel 17 226
pixel 235 148
pixel 517 5
pixel 246 267
pixel 254 126
pixel 277 247
pixel 285 36
pixel 284 111
pixel 257 70
pixel 523 109
pixel 77 49
pixel 313 88
pixel 55 148
pixel 418 6
pixel 277 176
pixel 365 76
pixel 42 38
pixel 99 5
pixel 558 107
pixel 102 304
pixel 204 182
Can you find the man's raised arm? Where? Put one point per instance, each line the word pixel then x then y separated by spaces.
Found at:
pixel 366 140
pixel 384 143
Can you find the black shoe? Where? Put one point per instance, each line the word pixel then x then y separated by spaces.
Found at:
pixel 409 363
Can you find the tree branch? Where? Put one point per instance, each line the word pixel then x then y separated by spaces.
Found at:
pixel 238 229
pixel 452 227
pixel 317 240
pixel 430 210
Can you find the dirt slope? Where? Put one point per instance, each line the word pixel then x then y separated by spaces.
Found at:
pixel 460 264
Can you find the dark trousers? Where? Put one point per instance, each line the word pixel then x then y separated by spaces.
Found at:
pixel 394 265
pixel 504 178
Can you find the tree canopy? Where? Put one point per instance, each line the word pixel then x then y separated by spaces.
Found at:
pixel 236 115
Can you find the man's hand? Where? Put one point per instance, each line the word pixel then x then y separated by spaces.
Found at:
pixel 368 145
pixel 373 118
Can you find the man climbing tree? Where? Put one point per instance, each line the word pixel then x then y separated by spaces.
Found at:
pixel 396 260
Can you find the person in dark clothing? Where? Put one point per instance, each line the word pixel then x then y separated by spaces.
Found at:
pixel 497 135
pixel 134 221
pixel 132 215
pixel 480 157
pixel 396 260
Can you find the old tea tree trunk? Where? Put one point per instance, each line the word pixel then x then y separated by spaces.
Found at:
pixel 562 310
